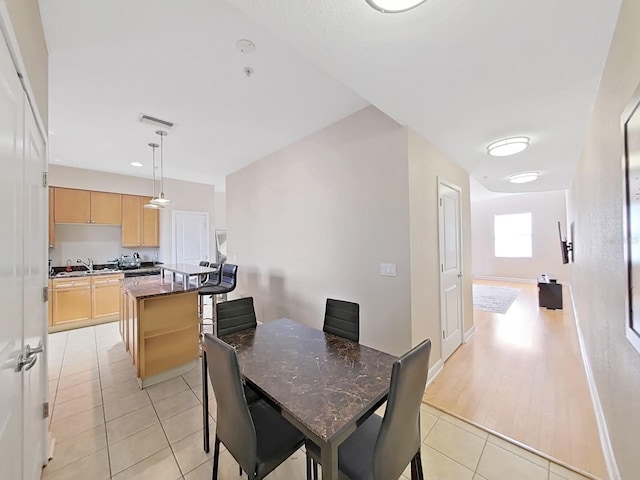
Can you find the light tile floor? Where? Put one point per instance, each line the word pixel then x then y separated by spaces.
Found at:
pixel 107 428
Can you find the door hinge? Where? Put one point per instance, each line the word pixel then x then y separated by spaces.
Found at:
pixel 45 179
pixel 441 268
pixel 443 334
pixel 45 294
pixel 440 201
pixel 45 409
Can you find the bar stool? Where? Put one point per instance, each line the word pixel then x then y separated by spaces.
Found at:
pixel 207 281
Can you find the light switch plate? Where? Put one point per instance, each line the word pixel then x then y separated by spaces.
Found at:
pixel 388 269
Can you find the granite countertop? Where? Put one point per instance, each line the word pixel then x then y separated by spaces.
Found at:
pixel 322 380
pixel 104 269
pixel 153 286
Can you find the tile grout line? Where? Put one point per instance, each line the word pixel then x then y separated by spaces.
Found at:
pixel 104 416
pixel 165 433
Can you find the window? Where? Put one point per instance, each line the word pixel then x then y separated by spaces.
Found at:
pixel 512 234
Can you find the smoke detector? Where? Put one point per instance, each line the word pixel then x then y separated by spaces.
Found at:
pixel 246 46
pixel 156 122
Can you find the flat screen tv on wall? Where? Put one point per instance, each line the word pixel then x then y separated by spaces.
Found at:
pixel 564 246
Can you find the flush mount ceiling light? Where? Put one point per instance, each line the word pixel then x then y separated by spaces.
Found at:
pixel 136 164
pixel 153 205
pixel 508 146
pixel 394 6
pixel 161 200
pixel 524 177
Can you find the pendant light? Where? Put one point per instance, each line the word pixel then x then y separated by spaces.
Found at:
pixel 161 200
pixel 153 205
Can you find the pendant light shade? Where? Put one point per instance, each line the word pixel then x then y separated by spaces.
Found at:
pixel 161 200
pixel 394 6
pixel 153 163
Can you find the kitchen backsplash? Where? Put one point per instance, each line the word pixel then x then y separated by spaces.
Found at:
pixel 100 242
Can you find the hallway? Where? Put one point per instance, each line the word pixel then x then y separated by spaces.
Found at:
pixel 521 375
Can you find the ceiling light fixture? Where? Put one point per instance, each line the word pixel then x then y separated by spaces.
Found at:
pixel 161 200
pixel 524 177
pixel 394 6
pixel 136 164
pixel 508 146
pixel 153 205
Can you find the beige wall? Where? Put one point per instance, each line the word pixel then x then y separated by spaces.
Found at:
pixel 316 219
pixel 27 25
pixel 186 196
pixel 547 209
pixel 598 277
pixel 426 165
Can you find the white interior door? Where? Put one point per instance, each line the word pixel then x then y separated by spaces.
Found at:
pixel 11 286
pixel 450 267
pixel 190 237
pixel 34 311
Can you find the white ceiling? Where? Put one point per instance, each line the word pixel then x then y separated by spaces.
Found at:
pixel 462 74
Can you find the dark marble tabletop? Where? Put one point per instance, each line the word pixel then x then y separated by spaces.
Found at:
pixel 153 286
pixel 323 381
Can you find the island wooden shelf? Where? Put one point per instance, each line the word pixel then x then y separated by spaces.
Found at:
pixel 160 327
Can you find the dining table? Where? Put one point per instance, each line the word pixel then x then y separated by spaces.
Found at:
pixel 325 385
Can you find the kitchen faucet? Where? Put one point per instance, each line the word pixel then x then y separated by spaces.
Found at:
pixel 89 266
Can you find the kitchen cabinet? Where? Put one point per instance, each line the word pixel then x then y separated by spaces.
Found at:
pixel 140 226
pixel 105 295
pixel 70 300
pixel 81 301
pixel 84 206
pixel 52 226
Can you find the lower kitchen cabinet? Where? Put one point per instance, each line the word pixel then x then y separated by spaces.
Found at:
pixel 70 300
pixel 82 301
pixel 105 296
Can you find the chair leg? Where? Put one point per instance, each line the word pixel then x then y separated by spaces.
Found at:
pixel 216 454
pixel 308 467
pixel 315 470
pixel 205 402
pixel 417 464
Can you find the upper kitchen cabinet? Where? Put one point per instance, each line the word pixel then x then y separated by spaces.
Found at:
pixel 140 226
pixel 83 206
pixel 106 208
pixel 52 230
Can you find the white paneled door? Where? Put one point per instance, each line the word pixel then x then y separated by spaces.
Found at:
pixel 190 237
pixel 22 278
pixel 450 267
pixel 35 276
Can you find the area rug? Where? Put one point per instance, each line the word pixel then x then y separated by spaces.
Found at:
pixel 493 299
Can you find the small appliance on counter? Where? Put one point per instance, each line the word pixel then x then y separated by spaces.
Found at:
pixel 129 261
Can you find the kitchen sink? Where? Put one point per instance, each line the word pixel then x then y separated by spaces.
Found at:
pixel 84 273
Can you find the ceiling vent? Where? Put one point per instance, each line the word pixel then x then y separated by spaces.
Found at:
pixel 156 122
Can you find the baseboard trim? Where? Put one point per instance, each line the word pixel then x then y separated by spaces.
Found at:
pixel 434 372
pixel 504 279
pixel 603 431
pixel 468 334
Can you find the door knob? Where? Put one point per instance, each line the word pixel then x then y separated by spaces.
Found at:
pixel 460 275
pixel 29 358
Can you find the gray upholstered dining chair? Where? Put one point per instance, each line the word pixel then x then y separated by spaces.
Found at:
pixel 381 448
pixel 342 318
pixel 255 435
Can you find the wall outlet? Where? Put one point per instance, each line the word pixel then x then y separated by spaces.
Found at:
pixel 388 269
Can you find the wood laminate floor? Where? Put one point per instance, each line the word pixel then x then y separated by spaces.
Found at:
pixel 521 374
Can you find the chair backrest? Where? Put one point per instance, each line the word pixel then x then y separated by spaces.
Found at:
pixel 205 277
pixel 214 278
pixel 234 425
pixel 399 437
pixel 343 319
pixel 228 276
pixel 234 316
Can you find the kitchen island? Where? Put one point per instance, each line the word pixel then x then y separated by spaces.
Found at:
pixel 159 326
